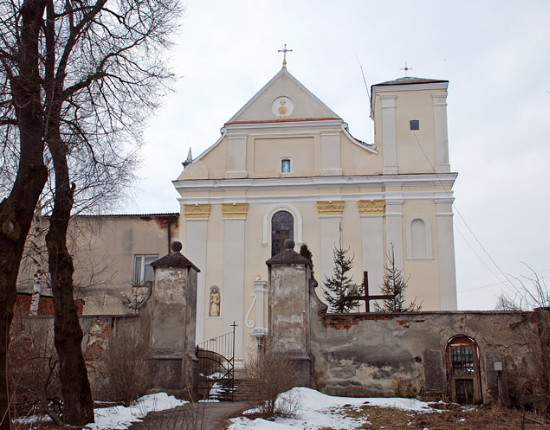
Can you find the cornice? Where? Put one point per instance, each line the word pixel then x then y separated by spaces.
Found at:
pixel 391 198
pixel 283 124
pixel 410 87
pixel 424 179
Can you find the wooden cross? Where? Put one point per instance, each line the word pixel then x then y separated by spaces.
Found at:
pixel 284 51
pixel 406 69
pixel 366 297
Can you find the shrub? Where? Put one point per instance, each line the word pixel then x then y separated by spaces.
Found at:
pixel 271 374
pixel 125 365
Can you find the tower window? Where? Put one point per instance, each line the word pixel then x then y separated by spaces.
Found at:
pixel 414 124
pixel 285 165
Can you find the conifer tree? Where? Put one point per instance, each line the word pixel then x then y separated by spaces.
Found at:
pixel 340 291
pixel 395 285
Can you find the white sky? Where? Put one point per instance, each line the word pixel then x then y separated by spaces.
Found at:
pixel 494 53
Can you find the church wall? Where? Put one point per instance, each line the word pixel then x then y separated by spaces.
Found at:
pixel 270 151
pixel 422 268
pixel 357 161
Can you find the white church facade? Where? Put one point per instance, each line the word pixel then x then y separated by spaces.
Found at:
pixel 285 166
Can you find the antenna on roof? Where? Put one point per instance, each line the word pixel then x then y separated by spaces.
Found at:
pixel 364 79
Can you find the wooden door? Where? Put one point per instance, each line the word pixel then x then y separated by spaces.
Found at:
pixel 463 370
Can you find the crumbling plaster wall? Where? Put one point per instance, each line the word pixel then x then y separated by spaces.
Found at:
pixel 404 354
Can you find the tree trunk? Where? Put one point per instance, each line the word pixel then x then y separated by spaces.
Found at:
pixel 17 210
pixel 77 396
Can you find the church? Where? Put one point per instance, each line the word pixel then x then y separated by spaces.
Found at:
pixel 211 282
pixel 287 167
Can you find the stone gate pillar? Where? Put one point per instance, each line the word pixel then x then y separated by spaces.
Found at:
pixel 173 364
pixel 289 325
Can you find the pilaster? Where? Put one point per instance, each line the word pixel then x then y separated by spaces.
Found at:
pixel 330 219
pixel 234 217
pixel 236 156
pixel 445 242
pixel 441 133
pixel 394 229
pixel 389 143
pixel 372 239
pixel 196 239
pixel 330 154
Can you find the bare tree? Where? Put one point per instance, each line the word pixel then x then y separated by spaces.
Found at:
pixel 77 77
pixel 530 292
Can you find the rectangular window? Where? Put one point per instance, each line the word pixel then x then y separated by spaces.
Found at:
pixel 285 165
pixel 143 272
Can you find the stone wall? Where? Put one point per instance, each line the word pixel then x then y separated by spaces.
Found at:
pixel 404 354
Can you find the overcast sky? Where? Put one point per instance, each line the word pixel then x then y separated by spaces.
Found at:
pixel 496 55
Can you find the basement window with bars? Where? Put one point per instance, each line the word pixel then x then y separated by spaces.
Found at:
pixel 143 271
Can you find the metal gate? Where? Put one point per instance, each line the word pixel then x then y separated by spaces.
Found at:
pixel 217 366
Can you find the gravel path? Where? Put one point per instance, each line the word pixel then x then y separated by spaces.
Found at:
pixel 198 416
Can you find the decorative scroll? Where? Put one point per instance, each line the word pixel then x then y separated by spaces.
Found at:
pixel 330 207
pixel 371 207
pixel 198 210
pixel 235 210
pixel 248 322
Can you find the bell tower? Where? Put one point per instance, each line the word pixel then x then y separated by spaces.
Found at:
pixel 410 125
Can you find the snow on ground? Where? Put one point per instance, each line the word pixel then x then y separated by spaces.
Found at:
pixel 120 417
pixel 316 410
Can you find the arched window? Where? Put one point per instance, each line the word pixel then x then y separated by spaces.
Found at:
pixel 282 228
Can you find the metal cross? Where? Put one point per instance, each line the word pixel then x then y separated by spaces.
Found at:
pixel 284 51
pixel 366 297
pixel 406 69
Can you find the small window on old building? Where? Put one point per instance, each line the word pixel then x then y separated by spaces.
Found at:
pixel 285 165
pixel 414 124
pixel 143 271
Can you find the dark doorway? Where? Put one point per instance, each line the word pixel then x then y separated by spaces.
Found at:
pixel 463 370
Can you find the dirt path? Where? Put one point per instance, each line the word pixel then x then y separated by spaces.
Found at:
pixel 199 416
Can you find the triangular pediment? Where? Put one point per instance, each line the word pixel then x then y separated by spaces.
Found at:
pixel 283 98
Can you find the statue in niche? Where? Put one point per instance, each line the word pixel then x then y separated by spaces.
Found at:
pixel 215 300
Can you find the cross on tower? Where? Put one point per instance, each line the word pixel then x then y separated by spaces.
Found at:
pixel 284 51
pixel 366 297
pixel 406 69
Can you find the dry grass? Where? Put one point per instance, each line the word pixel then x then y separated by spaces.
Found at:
pixel 454 417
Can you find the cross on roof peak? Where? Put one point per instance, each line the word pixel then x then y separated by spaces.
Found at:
pixel 284 51
pixel 406 69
